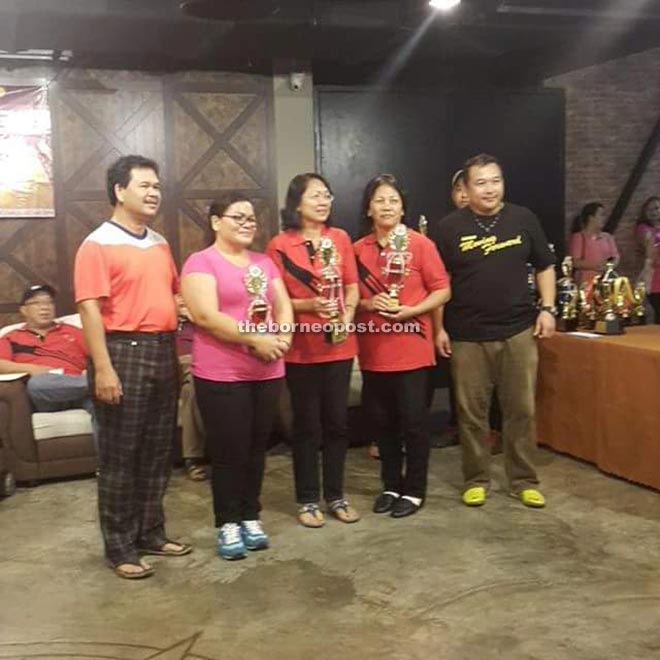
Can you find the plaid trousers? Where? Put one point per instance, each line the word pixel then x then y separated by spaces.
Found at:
pixel 135 444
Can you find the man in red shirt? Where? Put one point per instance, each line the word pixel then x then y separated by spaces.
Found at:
pixel 125 281
pixel 52 353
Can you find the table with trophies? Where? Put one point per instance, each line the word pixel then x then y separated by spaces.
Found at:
pixel 598 388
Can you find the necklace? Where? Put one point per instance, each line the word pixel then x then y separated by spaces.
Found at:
pixel 487 228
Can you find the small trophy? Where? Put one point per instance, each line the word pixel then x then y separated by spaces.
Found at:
pixel 567 298
pixel 423 225
pixel 638 314
pixel 586 311
pixel 607 321
pixel 256 284
pixel 331 288
pixel 396 264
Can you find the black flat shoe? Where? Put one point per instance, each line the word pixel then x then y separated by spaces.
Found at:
pixel 384 503
pixel 403 507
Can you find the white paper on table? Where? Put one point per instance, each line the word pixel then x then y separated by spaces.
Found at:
pixel 580 333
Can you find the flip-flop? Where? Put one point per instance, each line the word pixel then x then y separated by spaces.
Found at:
pixel 184 549
pixel 196 472
pixel 147 571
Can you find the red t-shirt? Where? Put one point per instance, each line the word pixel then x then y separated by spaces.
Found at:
pixel 62 347
pixel 301 274
pixel 398 351
pixel 133 277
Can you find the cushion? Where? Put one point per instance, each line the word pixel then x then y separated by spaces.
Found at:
pixel 61 424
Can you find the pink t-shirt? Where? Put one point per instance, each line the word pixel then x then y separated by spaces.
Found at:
pixel 226 362
pixel 643 233
pixel 593 249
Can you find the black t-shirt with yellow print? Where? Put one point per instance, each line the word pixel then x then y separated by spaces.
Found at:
pixel 491 299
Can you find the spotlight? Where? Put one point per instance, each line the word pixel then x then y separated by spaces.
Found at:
pixel 444 5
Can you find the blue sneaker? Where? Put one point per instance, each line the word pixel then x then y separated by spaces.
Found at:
pixel 230 542
pixel 253 534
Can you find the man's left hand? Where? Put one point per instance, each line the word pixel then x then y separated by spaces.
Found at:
pixel 545 325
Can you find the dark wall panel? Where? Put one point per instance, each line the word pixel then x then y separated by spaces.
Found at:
pixel 423 138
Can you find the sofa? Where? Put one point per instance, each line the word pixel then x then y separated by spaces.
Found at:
pixel 37 446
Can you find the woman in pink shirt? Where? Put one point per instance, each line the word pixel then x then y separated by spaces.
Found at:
pixel 648 236
pixel 590 246
pixel 238 370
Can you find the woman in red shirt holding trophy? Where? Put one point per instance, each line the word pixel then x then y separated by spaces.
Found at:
pixel 402 280
pixel 318 269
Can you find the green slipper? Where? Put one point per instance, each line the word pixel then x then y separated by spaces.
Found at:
pixel 474 496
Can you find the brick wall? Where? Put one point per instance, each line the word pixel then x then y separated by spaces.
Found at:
pixel 611 109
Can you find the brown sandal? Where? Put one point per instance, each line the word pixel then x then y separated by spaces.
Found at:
pixel 343 511
pixel 184 549
pixel 145 572
pixel 196 472
pixel 309 515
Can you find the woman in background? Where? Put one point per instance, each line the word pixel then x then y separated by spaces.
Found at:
pixel 590 246
pixel 648 237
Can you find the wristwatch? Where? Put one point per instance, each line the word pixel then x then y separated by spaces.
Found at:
pixel 551 309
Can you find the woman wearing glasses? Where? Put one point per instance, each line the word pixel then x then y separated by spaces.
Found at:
pixel 402 279
pixel 318 268
pixel 238 371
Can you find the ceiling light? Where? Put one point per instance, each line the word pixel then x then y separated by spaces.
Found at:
pixel 444 5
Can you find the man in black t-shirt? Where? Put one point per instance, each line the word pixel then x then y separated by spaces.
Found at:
pixel 491 324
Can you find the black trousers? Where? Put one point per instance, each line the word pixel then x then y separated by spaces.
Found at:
pixel 319 398
pixel 395 403
pixel 654 299
pixel 238 418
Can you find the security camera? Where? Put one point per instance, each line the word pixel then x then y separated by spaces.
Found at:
pixel 296 81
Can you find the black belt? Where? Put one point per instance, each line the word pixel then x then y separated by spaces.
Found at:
pixel 157 337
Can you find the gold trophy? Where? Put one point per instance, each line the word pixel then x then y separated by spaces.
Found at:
pixel 256 284
pixel 567 298
pixel 331 288
pixel 606 291
pixel 638 316
pixel 423 225
pixel 586 311
pixel 397 259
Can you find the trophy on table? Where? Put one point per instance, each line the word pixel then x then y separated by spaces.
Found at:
pixel 586 311
pixel 608 301
pixel 638 315
pixel 397 259
pixel 331 288
pixel 256 283
pixel 567 298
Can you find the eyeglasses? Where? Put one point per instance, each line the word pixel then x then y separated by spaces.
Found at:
pixel 40 303
pixel 321 197
pixel 241 219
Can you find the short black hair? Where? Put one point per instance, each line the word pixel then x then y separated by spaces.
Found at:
pixel 220 205
pixel 580 220
pixel 480 160
pixel 290 215
pixel 119 173
pixel 366 224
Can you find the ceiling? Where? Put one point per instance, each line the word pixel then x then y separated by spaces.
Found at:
pixel 346 41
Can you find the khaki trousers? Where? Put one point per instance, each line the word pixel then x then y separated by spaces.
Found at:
pixel 509 367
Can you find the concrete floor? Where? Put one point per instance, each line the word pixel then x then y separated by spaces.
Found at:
pixel 579 580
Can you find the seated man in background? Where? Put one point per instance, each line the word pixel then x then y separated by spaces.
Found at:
pixel 53 354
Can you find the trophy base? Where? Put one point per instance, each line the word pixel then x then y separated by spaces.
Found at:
pixel 336 337
pixel 638 320
pixel 611 327
pixel 567 325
